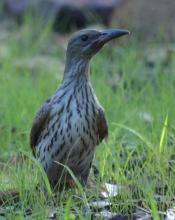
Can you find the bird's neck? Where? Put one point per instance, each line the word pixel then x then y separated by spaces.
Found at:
pixel 76 69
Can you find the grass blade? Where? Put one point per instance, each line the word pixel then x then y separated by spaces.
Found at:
pixel 163 136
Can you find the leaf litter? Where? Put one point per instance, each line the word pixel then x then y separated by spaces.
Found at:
pixel 97 209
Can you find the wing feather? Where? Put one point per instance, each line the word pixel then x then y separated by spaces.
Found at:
pixel 102 125
pixel 39 123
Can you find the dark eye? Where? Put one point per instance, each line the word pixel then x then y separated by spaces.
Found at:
pixel 84 37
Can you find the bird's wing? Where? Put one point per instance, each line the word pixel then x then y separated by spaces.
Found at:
pixel 39 123
pixel 102 125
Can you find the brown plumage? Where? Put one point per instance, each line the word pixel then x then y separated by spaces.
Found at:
pixel 72 122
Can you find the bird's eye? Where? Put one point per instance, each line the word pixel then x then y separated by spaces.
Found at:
pixel 84 37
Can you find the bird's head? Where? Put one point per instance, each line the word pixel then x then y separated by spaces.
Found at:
pixel 86 43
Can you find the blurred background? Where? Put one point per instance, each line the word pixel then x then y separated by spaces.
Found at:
pixel 146 19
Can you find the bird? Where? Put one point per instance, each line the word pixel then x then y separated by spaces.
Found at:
pixel 72 123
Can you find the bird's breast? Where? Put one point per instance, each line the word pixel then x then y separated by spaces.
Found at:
pixel 72 128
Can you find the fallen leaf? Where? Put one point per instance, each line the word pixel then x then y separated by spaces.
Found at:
pixel 111 190
pixel 100 204
pixel 105 215
pixel 170 214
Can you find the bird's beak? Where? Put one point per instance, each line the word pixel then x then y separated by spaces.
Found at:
pixel 110 34
pixel 104 37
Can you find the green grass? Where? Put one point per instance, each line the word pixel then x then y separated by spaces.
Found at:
pixel 139 103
